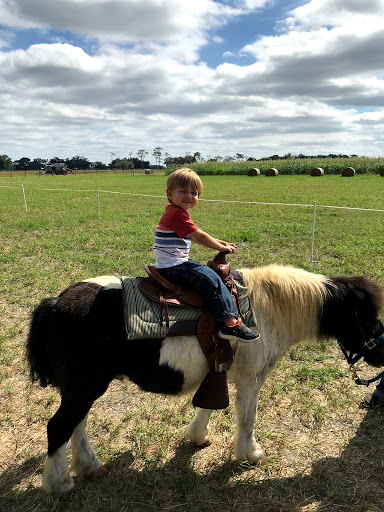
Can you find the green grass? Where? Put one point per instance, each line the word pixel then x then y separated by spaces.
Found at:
pixel 61 230
pixel 324 454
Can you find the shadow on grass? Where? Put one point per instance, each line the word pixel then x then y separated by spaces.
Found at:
pixel 353 482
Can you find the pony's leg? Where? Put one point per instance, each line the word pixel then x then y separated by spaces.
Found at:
pixel 197 430
pixel 246 448
pixel 73 409
pixel 56 477
pixel 84 460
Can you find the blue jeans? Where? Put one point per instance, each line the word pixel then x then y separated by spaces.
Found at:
pixel 379 391
pixel 207 282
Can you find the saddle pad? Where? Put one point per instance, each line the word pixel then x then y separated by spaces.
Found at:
pixel 246 311
pixel 143 316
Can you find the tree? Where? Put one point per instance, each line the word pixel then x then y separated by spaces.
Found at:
pixel 22 164
pixel 157 154
pixel 5 163
pixel 98 165
pixel 239 156
pixel 122 163
pixel 38 163
pixel 167 158
pixel 141 153
pixel 78 162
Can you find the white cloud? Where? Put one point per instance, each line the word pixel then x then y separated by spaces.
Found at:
pixel 143 84
pixel 353 13
pixel 177 28
pixel 336 64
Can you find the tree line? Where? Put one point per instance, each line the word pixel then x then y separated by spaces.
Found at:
pixel 139 161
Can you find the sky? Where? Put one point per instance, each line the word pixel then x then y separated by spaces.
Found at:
pixel 105 78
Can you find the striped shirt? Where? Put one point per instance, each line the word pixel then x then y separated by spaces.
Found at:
pixel 172 240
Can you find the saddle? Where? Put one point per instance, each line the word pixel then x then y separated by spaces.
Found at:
pixel 213 392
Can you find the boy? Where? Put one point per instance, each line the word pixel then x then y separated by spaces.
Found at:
pixel 174 233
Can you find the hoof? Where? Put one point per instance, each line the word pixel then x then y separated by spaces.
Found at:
pixel 67 496
pixel 260 460
pixel 204 445
pixel 263 460
pixel 100 472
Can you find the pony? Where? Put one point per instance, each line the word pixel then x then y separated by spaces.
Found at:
pixel 77 342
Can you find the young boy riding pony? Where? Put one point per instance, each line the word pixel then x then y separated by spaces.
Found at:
pixel 174 233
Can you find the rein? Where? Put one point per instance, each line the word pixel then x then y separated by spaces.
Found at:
pixel 353 359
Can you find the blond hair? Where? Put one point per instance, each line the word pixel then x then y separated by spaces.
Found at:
pixel 185 177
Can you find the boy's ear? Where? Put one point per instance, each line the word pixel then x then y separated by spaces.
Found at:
pixel 169 193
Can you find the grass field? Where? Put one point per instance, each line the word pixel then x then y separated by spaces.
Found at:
pixel 324 453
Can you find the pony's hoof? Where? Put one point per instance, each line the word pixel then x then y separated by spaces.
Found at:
pixel 204 445
pixel 262 460
pixel 100 472
pixel 65 497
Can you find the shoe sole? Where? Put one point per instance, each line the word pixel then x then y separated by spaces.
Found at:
pixel 230 337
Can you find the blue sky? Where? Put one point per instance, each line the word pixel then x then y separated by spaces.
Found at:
pixel 240 31
pixel 256 77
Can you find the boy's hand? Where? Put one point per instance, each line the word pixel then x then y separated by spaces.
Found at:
pixel 228 246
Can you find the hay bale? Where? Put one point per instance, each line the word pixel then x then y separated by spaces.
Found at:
pixel 381 172
pixel 271 172
pixel 349 171
pixel 317 171
pixel 254 172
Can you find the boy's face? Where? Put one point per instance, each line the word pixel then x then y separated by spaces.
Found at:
pixel 185 197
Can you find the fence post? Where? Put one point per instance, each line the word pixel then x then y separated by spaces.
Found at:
pixel 25 201
pixel 98 204
pixel 313 230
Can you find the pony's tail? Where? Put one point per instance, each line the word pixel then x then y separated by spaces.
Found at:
pixel 39 366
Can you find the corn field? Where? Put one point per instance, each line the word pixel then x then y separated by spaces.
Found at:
pixel 362 165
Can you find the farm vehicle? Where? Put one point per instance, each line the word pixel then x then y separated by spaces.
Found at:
pixel 57 168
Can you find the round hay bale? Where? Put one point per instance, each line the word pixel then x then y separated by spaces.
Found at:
pixel 254 172
pixel 381 172
pixel 349 171
pixel 317 171
pixel 271 172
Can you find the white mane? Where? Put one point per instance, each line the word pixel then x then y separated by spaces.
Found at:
pixel 287 299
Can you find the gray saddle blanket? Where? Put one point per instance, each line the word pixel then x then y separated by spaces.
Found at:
pixel 144 318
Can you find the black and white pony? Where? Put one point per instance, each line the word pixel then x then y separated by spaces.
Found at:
pixel 77 342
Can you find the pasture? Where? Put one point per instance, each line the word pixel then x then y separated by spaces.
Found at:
pixel 324 453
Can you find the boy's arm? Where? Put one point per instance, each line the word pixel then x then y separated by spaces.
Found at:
pixel 202 238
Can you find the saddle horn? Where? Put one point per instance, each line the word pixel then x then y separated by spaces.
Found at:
pixel 220 264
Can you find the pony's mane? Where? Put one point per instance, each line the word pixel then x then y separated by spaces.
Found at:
pixel 289 296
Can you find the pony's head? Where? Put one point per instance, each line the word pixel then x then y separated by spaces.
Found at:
pixel 351 314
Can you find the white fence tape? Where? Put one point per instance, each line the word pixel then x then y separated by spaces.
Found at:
pixel 97 191
pixel 207 200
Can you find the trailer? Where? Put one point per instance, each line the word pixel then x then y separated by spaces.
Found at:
pixel 56 168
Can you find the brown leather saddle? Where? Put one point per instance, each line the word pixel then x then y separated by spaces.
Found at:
pixel 213 392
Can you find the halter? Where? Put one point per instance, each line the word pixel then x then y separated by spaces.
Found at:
pixel 353 359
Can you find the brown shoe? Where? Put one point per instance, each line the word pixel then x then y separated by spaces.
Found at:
pixel 371 401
